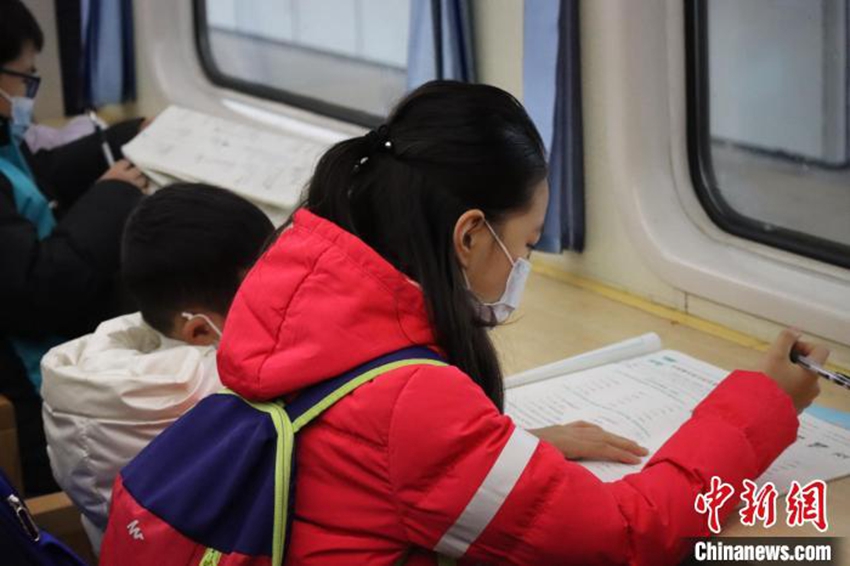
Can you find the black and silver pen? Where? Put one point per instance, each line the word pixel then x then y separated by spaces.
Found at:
pixel 811 365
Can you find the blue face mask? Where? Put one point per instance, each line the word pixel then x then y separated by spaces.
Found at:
pixel 20 116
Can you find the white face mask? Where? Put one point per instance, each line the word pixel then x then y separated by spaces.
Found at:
pixel 500 310
pixel 21 114
pixel 205 318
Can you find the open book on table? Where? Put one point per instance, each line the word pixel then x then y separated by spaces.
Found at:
pixel 643 392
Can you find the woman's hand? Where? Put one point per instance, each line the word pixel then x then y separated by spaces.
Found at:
pixel 125 171
pixel 801 384
pixel 581 440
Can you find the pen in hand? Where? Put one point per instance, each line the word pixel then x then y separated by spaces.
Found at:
pixel 104 145
pixel 836 377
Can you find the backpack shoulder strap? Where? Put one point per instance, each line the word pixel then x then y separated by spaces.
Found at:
pixel 314 400
pixel 289 418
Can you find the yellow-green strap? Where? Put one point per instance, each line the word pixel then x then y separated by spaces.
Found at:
pixel 345 389
pixel 210 558
pixel 286 435
pixel 282 472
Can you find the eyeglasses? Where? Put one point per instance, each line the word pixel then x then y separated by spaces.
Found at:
pixel 31 82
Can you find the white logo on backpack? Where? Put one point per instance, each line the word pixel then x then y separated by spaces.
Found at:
pixel 135 531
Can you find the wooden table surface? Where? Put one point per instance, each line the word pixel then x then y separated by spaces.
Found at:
pixel 557 320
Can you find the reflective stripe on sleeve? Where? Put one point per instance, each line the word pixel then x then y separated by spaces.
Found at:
pixel 490 495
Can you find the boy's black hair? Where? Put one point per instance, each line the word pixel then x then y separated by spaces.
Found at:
pixel 187 246
pixel 17 26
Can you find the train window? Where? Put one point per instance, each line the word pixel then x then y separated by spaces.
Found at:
pixel 769 121
pixel 342 58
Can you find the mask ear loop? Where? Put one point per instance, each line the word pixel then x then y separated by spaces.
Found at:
pixel 205 318
pixel 507 254
pixel 501 244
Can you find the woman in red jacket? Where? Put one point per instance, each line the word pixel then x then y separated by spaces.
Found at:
pixel 417 234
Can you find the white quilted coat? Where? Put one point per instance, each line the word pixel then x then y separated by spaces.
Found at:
pixel 106 395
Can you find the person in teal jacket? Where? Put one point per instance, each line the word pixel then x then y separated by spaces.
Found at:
pixel 62 212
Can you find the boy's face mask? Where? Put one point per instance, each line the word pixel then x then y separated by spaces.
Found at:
pixel 20 115
pixel 205 318
pixel 500 310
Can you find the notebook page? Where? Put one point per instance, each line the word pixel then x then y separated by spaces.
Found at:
pixel 822 451
pixel 644 399
pixel 267 167
pixel 631 348
pixel 648 398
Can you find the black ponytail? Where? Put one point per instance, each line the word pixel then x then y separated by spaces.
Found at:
pixel 448 147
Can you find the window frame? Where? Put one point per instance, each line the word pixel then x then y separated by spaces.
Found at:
pixel 701 167
pixel 218 78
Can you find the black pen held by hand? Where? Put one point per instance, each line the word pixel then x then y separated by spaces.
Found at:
pixel 833 376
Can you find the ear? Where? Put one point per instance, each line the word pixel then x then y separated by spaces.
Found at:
pixel 196 332
pixel 467 234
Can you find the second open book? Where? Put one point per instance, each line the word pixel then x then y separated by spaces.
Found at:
pixel 640 391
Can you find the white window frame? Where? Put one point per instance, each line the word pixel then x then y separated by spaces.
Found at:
pixel 645 139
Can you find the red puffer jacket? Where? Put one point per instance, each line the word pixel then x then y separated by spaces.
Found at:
pixel 422 458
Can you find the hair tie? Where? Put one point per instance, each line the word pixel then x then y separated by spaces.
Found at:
pixel 376 140
pixel 379 138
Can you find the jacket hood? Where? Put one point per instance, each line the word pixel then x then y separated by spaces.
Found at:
pixel 127 370
pixel 318 303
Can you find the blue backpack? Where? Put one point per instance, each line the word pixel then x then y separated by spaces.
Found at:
pixel 216 487
pixel 22 543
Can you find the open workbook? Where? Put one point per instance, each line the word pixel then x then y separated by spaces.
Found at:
pixel 640 391
pixel 186 145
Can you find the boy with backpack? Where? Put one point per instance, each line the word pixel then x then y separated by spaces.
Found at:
pixel 106 395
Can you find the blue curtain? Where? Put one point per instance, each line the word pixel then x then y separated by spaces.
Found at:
pixel 441 51
pixel 552 96
pixel 96 52
pixel 109 63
